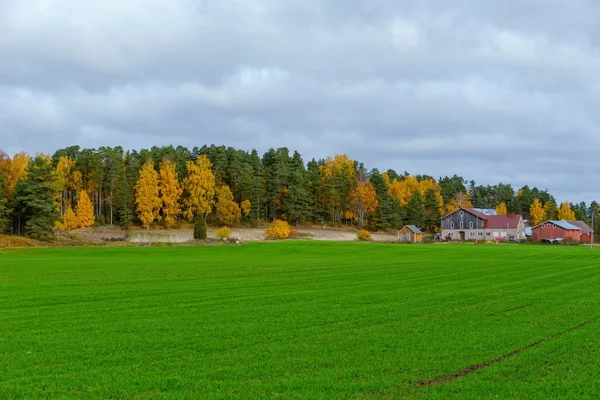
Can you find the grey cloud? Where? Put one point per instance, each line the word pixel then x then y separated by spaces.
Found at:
pixel 493 91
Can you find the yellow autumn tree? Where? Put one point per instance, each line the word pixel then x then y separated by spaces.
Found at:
pixel 460 199
pixel 536 213
pixel 501 209
pixel 246 207
pixel 13 169
pixel 565 212
pixel 170 192
pixel 84 210
pixel 404 189
pixel 147 196
pixel 363 200
pixel 228 211
pixel 69 219
pixel 200 187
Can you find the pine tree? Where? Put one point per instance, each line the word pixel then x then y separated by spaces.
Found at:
pixel 199 228
pixel 432 210
pixel 84 210
pixel 4 210
pixel 415 214
pixel 297 200
pixel 170 192
pixel 34 199
pixel 147 194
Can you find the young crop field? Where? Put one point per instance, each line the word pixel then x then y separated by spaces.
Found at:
pixel 301 320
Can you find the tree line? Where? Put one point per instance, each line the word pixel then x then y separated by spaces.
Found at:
pixel 73 188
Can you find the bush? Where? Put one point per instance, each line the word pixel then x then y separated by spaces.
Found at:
pixel 364 236
pixel 278 230
pixel 199 228
pixel 294 233
pixel 223 233
pixel 569 241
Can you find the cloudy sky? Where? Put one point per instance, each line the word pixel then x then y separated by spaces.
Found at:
pixel 493 91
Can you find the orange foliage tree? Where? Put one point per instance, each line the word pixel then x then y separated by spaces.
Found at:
pixel 84 210
pixel 536 213
pixel 200 187
pixel 170 192
pixel 363 200
pixel 227 210
pixel 147 194
pixel 565 212
pixel 501 209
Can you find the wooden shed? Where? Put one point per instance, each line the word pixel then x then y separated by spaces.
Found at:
pixel 553 230
pixel 410 234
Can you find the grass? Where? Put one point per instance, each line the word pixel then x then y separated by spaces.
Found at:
pixel 299 320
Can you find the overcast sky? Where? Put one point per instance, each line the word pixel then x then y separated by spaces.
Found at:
pixel 495 91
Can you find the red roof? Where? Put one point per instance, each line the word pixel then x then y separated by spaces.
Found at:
pixel 510 221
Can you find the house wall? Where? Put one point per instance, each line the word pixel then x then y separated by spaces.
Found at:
pixel 465 218
pixel 485 234
pixel 586 237
pixel 550 231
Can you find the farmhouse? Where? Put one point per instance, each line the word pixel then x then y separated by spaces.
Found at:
pixel 476 224
pixel 586 231
pixel 410 234
pixel 553 230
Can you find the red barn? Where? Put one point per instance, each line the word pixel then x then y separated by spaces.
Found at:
pixel 586 231
pixel 552 230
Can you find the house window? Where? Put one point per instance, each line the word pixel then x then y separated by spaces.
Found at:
pixel 503 234
pixel 471 225
pixel 488 234
pixel 480 234
pixel 461 225
pixel 543 226
pixel 495 234
pixel 472 234
pixel 554 226
pixel 461 213
pixel 451 225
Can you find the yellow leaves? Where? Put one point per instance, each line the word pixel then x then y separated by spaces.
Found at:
pixel 536 213
pixel 565 212
pixel 200 187
pixel 340 165
pixel 278 230
pixel 246 207
pixel 363 200
pixel 84 211
pixel 403 190
pixel 227 210
pixel 69 220
pixel 13 169
pixel 364 236
pixel 223 233
pixel 147 194
pixel 170 192
pixel 501 209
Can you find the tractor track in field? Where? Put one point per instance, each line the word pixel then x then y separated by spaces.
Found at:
pixel 478 367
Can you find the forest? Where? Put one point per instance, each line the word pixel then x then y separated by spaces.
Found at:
pixel 163 187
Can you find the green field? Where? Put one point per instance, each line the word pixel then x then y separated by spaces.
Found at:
pixel 301 320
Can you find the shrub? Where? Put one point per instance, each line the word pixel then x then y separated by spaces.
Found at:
pixel 200 228
pixel 223 233
pixel 364 236
pixel 569 241
pixel 278 230
pixel 294 233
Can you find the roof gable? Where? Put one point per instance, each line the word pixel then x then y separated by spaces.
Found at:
pixel 413 228
pixel 581 225
pixel 563 224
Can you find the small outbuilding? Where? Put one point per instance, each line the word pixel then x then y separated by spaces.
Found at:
pixel 586 231
pixel 410 234
pixel 554 231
